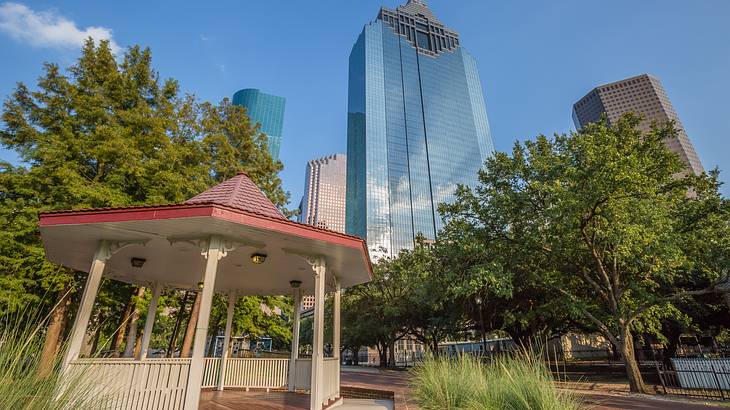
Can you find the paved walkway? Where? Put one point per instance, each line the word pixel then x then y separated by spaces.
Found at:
pixel 603 401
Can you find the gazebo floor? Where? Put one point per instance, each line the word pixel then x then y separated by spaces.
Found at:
pixel 254 399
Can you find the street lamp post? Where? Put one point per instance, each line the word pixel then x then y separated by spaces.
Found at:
pixel 478 300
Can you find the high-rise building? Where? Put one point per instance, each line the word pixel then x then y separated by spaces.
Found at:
pixel 323 204
pixel 267 110
pixel 643 95
pixel 417 126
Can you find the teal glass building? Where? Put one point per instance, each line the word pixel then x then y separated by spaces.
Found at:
pixel 417 126
pixel 267 110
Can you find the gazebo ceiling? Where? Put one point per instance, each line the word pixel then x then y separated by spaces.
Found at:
pixel 170 239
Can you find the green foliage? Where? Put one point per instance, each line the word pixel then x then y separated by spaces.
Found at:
pixel 517 383
pixel 257 316
pixel 605 219
pixel 106 133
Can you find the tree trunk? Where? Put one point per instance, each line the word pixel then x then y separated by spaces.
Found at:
pixel 633 373
pixel 190 331
pixel 54 333
pixel 138 345
pixel 132 331
pixel 180 314
pixel 391 353
pixel 95 342
pixel 356 356
pixel 122 327
pixel 383 354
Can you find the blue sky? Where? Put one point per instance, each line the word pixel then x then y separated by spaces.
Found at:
pixel 536 58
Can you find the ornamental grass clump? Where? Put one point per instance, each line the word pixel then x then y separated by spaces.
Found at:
pixel 23 385
pixel 508 383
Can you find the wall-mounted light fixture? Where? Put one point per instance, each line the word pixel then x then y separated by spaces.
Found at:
pixel 138 262
pixel 258 258
pixel 200 285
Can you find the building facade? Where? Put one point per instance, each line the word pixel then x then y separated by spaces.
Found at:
pixel 643 95
pixel 323 203
pixel 267 110
pixel 417 126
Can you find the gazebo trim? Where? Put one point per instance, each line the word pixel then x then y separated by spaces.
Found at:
pixel 229 214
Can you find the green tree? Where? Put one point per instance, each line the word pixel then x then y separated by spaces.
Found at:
pixel 608 218
pixel 108 133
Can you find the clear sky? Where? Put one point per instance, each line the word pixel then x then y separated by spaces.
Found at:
pixel 536 58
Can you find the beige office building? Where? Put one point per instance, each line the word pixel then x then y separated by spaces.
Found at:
pixel 643 95
pixel 323 203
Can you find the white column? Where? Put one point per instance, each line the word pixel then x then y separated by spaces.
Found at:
pixel 295 336
pixel 195 375
pixel 226 339
pixel 318 335
pixel 87 303
pixel 336 331
pixel 149 322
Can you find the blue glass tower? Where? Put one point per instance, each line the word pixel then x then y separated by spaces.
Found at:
pixel 417 126
pixel 267 110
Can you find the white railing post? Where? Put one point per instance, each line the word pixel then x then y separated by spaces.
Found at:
pixel 226 340
pixel 336 333
pixel 195 377
pixel 318 265
pixel 291 380
pixel 149 321
pixel 91 288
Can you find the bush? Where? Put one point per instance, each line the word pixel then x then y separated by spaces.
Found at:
pixel 464 383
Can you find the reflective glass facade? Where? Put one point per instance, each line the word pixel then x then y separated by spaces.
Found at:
pixel 417 127
pixel 267 110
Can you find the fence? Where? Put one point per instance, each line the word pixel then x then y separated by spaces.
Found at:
pixel 253 373
pixel 126 383
pixel 701 378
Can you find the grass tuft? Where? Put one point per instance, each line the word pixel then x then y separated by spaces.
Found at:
pixel 21 343
pixel 507 383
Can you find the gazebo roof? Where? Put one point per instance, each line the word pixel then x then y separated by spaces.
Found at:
pixel 240 193
pixel 168 238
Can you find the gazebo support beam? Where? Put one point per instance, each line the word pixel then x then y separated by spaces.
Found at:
pixel 195 375
pixel 87 303
pixel 317 379
pixel 295 338
pixel 226 339
pixel 149 322
pixel 336 330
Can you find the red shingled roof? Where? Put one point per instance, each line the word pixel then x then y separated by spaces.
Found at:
pixel 240 193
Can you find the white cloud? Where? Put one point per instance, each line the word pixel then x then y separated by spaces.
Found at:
pixel 48 28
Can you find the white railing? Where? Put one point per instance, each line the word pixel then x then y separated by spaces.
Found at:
pixel 331 384
pixel 248 373
pixel 303 374
pixel 118 384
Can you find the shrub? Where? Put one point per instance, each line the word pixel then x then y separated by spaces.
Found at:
pixel 511 383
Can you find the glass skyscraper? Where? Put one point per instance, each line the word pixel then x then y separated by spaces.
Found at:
pixel 267 110
pixel 417 126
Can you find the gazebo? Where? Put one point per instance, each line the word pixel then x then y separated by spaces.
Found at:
pixel 232 240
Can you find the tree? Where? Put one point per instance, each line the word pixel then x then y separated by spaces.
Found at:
pixel 606 217
pixel 432 310
pixel 108 133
